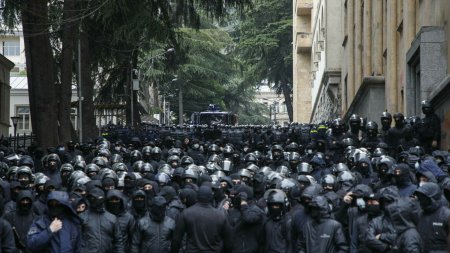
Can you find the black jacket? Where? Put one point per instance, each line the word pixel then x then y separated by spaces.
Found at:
pixel 101 233
pixel 247 224
pixel 152 236
pixel 6 238
pixel 404 216
pixel 206 229
pixel 323 234
pixel 126 219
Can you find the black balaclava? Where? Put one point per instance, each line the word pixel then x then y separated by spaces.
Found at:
pixel 96 198
pixel 401 175
pixel 114 203
pixel 56 210
pixel 24 208
pixel 158 209
pixel 373 210
pixel 275 211
pixel 140 206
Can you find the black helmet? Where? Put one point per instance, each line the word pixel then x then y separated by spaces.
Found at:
pixel 146 168
pixel 355 118
pixel 292 147
pixel 277 147
pixel 215 158
pixel 100 161
pixel 348 142
pixel 214 148
pixel 137 166
pixel 228 151
pixel 80 165
pixel 116 158
pixel 250 158
pixel 174 151
pixel 190 173
pixel 287 184
pixel 156 150
pixel 371 125
pixel 304 169
pixel 284 171
pixel 386 115
pixel 426 104
pixel 165 168
pixel 185 161
pixel 346 176
pixel 276 196
pixel 329 181
pixel 92 168
pixel 340 167
pixel 245 173
pixel 119 168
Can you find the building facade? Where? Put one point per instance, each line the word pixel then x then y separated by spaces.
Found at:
pixel 275 103
pixel 5 68
pixel 396 54
pixel 393 55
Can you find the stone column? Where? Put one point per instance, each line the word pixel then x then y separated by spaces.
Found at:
pixel 377 31
pixel 409 33
pixel 367 38
pixel 391 68
pixel 350 52
pixel 358 45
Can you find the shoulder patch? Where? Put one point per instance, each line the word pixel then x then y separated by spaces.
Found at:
pixel 33 230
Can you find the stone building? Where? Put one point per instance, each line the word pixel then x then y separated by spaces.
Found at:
pixel 394 54
pixel 5 122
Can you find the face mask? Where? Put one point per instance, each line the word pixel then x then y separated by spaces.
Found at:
pixel 139 205
pixel 314 213
pixel 24 208
pixel 236 201
pixel 56 211
pixel 275 213
pixel 150 194
pixel 373 210
pixel 158 213
pixel 360 203
pixel 96 202
pixel 114 207
pixel 424 201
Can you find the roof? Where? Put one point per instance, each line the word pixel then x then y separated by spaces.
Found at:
pixel 21 83
pixel 18 82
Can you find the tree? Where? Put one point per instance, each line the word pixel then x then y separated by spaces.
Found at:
pixel 264 44
pixel 121 28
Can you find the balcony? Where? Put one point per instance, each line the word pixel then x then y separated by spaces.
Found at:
pixel 304 7
pixel 304 42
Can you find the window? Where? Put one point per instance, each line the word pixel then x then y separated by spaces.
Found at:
pixel 11 48
pixel 24 123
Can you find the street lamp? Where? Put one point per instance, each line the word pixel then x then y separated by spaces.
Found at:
pixel 15 120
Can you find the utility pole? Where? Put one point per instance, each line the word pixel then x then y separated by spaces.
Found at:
pixel 180 106
pixel 80 95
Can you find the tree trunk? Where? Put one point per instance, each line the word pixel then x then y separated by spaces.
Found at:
pixel 40 72
pixel 65 89
pixel 90 131
pixel 287 98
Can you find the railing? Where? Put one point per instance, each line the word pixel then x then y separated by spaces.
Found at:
pixel 20 140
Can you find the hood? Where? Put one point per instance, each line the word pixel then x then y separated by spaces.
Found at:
pixel 24 194
pixel 26 160
pixel 321 203
pixel 431 166
pixel 244 188
pixel 319 162
pixel 188 196
pixel 431 190
pixel 362 190
pixel 168 192
pixel 138 193
pixel 312 191
pixel 403 214
pixel 205 194
pixel 389 194
pixel 62 198
pixel 427 174
pixel 115 193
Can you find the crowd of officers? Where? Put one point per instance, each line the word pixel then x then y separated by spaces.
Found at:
pixel 348 187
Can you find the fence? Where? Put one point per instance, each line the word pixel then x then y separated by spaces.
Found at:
pixel 20 140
